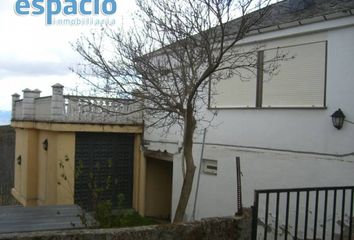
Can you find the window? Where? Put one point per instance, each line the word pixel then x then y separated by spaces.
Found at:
pixel 297 82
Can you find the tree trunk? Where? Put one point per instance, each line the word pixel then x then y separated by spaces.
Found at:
pixel 190 125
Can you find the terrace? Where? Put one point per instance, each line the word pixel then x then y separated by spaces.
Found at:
pixel 74 109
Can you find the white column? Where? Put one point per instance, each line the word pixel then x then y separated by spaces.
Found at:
pixel 15 97
pixel 28 108
pixel 58 103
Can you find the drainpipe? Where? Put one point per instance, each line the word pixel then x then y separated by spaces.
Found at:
pixel 199 172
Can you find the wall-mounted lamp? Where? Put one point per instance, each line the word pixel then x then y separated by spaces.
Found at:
pixel 338 119
pixel 45 145
pixel 19 160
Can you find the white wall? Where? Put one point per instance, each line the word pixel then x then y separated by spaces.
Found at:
pixel 260 170
pixel 297 133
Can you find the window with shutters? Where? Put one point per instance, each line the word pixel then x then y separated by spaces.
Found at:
pixel 297 81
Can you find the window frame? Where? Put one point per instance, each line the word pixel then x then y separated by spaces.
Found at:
pixel 259 84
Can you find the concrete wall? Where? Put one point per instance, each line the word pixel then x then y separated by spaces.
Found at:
pixel 26 167
pixel 56 168
pixel 213 229
pixel 47 160
pixel 278 147
pixel 38 179
pixel 66 173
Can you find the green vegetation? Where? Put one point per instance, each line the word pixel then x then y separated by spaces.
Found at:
pixel 109 218
pixel 103 211
pixel 130 219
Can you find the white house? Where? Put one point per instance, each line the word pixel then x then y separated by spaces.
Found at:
pixel 280 126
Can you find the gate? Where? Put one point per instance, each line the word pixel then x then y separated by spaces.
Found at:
pixel 104 169
pixel 303 213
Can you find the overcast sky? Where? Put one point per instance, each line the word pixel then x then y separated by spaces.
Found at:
pixel 36 55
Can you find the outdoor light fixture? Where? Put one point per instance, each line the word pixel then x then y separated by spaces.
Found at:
pixel 338 119
pixel 45 145
pixel 19 160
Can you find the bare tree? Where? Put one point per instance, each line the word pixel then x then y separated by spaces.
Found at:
pixel 168 58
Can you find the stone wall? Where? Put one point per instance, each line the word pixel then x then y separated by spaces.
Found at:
pixel 208 229
pixel 7 156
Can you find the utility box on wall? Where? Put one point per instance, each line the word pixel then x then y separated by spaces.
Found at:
pixel 210 166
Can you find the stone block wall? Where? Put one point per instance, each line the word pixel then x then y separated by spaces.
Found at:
pixel 207 229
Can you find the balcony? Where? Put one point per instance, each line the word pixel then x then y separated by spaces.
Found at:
pixel 74 109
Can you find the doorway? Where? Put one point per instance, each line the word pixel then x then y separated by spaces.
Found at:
pixel 158 188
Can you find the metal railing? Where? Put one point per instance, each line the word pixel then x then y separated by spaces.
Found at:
pixel 303 213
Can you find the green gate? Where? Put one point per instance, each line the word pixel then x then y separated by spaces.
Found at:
pixel 104 169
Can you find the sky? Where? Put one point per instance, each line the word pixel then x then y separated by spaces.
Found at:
pixel 36 56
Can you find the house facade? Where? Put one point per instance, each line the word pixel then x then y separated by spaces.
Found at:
pixel 279 124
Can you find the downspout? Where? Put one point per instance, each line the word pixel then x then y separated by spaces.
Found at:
pixel 199 172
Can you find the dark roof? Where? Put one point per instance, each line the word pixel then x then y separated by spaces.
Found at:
pixel 290 13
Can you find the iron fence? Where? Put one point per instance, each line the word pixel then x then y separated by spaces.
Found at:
pixel 303 213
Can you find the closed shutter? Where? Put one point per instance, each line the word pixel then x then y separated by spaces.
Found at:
pixel 298 81
pixel 236 91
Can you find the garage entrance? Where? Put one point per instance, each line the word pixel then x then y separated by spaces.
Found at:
pixel 158 188
pixel 104 169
